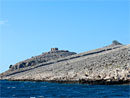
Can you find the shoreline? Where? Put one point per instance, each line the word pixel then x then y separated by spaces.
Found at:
pixel 95 67
pixel 81 81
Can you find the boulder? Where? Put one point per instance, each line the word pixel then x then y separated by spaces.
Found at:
pixel 115 42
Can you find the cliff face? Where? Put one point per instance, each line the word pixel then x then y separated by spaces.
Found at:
pixel 110 64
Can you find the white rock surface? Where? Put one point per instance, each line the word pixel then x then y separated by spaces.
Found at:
pixel 108 64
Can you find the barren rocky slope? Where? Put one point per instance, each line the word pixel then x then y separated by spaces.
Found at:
pixel 32 62
pixel 44 57
pixel 107 65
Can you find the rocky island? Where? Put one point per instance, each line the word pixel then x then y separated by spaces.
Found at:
pixel 106 65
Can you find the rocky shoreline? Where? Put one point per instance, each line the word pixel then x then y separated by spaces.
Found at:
pixel 106 65
pixel 82 81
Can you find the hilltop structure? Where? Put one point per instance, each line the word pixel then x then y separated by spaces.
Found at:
pixel 53 54
pixel 106 65
pixel 54 49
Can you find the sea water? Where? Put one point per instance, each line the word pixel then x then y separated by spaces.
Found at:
pixel 20 89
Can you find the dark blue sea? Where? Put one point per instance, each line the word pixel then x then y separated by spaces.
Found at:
pixel 20 89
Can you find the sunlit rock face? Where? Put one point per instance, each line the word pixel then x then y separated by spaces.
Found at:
pixel 44 57
pixel 109 64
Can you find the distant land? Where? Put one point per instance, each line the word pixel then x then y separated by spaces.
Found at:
pixel 106 65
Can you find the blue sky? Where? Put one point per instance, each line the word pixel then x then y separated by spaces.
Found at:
pixel 30 27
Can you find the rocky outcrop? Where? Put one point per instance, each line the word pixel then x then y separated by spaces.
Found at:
pixel 44 57
pixel 107 65
pixel 115 42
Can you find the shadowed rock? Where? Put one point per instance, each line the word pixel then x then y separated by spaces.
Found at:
pixel 45 57
pixel 106 65
pixel 115 42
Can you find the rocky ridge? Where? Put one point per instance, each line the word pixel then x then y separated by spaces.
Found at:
pixel 44 58
pixel 107 65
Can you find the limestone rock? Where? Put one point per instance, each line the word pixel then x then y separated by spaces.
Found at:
pixel 106 65
pixel 45 57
